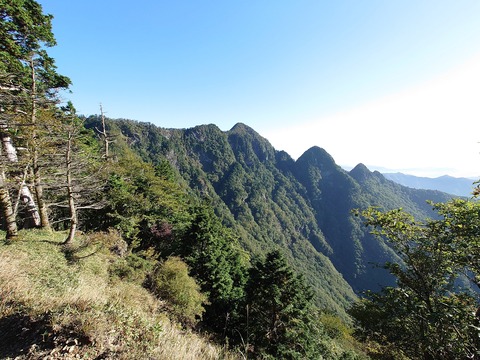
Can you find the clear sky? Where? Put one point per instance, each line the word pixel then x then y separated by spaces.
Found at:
pixel 394 84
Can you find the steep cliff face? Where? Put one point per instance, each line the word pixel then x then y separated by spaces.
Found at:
pixel 332 193
pixel 303 207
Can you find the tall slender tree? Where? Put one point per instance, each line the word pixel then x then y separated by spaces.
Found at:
pixel 28 76
pixel 105 137
pixel 80 174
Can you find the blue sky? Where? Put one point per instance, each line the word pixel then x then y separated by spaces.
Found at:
pixel 392 84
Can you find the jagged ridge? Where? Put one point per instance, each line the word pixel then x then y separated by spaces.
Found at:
pixel 303 206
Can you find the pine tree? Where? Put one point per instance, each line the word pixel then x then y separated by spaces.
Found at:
pixel 280 323
pixel 28 78
pixel 215 258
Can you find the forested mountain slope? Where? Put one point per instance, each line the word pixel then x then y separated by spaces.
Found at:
pixel 304 206
pixel 126 240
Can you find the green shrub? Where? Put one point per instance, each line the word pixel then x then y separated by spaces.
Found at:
pixel 170 282
pixel 334 326
pixel 111 240
pixel 130 268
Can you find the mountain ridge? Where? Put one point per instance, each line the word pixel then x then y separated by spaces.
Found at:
pixel 459 186
pixel 302 206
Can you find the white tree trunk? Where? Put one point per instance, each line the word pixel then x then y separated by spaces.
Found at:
pixel 25 195
pixel 71 200
pixel 7 145
pixel 42 207
pixel 7 208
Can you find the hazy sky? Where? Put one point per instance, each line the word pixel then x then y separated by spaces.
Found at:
pixel 393 84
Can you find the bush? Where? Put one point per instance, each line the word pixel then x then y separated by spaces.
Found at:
pixel 130 268
pixel 334 326
pixel 111 240
pixel 170 282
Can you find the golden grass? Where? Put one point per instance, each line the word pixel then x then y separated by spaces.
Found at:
pixel 73 309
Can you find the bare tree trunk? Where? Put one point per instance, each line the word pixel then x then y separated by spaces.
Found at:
pixel 7 211
pixel 7 208
pixel 7 145
pixel 70 191
pixel 104 135
pixel 42 208
pixel 25 195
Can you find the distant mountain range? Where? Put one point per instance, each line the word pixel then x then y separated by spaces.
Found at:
pixel 303 207
pixel 447 184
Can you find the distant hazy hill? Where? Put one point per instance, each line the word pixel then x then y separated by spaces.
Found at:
pixel 448 184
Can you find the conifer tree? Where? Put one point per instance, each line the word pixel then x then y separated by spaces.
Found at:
pixel 29 79
pixel 216 261
pixel 280 324
pixel 78 173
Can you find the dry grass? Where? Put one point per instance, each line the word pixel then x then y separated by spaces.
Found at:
pixel 52 307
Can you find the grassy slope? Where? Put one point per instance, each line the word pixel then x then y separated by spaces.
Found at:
pixel 58 308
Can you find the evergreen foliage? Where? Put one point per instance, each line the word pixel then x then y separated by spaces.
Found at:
pixel 171 282
pixel 249 193
pixel 28 92
pixel 280 312
pixel 26 31
pixel 303 206
pixel 220 266
pixel 144 206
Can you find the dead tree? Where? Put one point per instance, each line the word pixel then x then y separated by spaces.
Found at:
pixel 80 174
pixel 72 206
pixel 104 135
